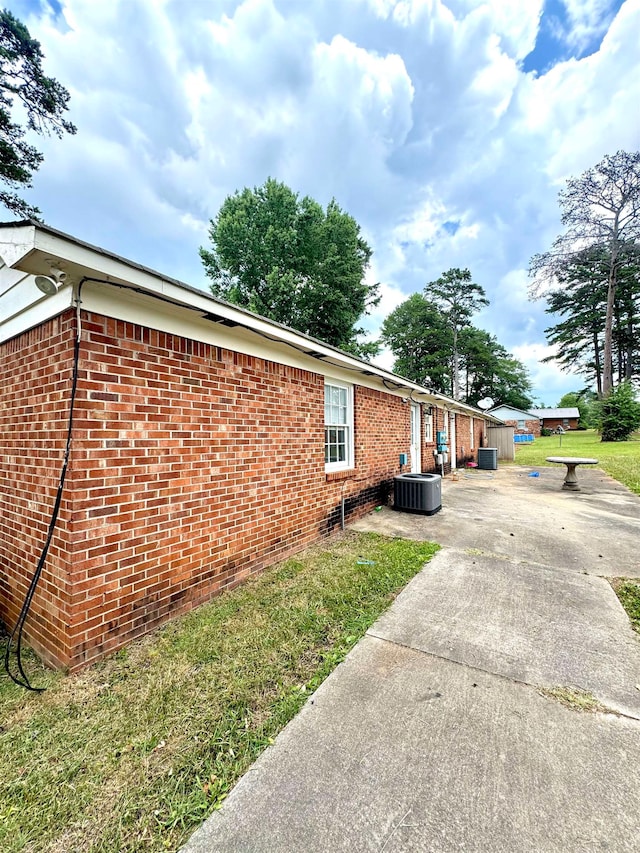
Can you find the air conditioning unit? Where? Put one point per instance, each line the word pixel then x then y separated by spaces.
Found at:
pixel 488 458
pixel 420 493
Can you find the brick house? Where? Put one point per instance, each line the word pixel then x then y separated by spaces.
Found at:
pixel 207 442
pixel 567 418
pixel 523 423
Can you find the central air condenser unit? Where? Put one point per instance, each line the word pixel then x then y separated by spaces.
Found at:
pixel 488 458
pixel 421 493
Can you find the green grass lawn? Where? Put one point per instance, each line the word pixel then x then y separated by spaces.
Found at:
pixel 133 753
pixel 628 591
pixel 620 459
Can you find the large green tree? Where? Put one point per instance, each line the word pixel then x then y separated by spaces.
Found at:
pixel 601 208
pixel 290 260
pixel 579 307
pixel 458 298
pixel 421 340
pixel 488 370
pixel 42 99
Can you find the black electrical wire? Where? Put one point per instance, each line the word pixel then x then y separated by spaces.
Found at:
pixel 22 680
pixel 16 634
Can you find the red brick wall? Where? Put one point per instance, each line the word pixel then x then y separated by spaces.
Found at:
pixel 530 427
pixel 464 451
pixel 191 468
pixel 553 423
pixel 35 383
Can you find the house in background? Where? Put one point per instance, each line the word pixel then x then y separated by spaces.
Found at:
pixel 207 442
pixel 566 418
pixel 523 422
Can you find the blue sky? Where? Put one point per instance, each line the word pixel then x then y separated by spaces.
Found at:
pixel 554 41
pixel 445 127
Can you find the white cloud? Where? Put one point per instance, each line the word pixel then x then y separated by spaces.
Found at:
pixel 587 19
pixel 414 114
pixel 550 382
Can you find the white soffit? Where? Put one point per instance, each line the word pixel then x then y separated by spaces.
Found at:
pixel 178 310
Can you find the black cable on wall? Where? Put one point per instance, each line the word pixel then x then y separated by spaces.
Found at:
pixel 21 679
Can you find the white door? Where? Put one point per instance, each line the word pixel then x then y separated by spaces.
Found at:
pixel 452 440
pixel 416 465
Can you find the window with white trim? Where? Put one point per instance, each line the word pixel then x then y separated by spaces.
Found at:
pixel 338 426
pixel 472 438
pixel 428 426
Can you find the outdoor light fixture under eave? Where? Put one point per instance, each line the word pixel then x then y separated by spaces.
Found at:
pixel 49 284
pixel 46 285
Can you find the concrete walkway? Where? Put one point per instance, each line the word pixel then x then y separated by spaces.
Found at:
pixel 436 733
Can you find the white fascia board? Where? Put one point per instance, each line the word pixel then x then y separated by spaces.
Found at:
pixel 16 242
pixel 34 247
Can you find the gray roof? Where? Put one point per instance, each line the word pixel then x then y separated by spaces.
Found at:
pixel 514 410
pixel 556 413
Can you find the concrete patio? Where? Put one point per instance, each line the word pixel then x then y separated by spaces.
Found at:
pixel 436 734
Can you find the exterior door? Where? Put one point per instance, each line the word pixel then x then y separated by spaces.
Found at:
pixel 416 462
pixel 452 440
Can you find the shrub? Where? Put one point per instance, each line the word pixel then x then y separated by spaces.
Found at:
pixel 619 413
pixel 545 431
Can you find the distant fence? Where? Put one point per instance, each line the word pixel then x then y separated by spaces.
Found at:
pixel 502 438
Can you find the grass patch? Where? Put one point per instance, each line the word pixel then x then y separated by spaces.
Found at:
pixel 620 459
pixel 577 700
pixel 628 591
pixel 134 753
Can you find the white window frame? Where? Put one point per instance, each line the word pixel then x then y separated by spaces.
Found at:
pixel 522 424
pixel 428 427
pixel 343 464
pixel 472 439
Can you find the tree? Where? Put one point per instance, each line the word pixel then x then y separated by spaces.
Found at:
pixel 600 208
pixel 584 402
pixel 421 342
pixel 491 371
pixel 619 413
pixel 458 298
pixel 23 82
pixel 289 260
pixel 581 302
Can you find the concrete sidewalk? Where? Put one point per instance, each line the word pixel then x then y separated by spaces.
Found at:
pixel 435 734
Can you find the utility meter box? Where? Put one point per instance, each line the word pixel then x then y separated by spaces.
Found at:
pixel 441 441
